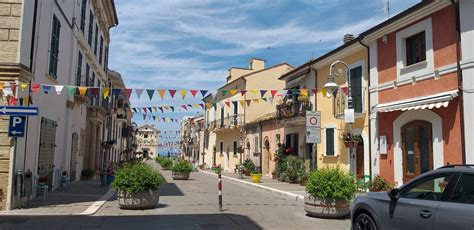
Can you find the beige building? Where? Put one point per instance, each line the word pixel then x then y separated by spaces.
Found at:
pixel 52 43
pixel 228 113
pixel 147 141
pixel 190 140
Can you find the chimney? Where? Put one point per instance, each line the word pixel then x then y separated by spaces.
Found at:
pixel 348 38
pixel 257 64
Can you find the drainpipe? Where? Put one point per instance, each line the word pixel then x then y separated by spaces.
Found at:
pixel 460 79
pixel 260 145
pixel 368 102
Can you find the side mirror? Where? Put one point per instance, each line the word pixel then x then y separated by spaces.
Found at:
pixel 394 194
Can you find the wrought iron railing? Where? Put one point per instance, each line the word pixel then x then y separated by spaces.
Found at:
pixel 293 108
pixel 229 122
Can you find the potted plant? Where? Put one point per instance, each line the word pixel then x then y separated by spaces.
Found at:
pixel 330 192
pixel 379 184
pixel 294 169
pixel 137 186
pixel 217 169
pixel 181 170
pixel 350 140
pixel 248 166
pixel 255 175
pixel 166 163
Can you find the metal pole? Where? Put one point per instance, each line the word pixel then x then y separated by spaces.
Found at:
pixel 219 187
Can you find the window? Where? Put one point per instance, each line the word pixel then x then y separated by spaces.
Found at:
pixel 431 188
pixel 79 70
pixel 91 25
pixel 222 117
pixel 54 49
pixel 100 49
pixel 356 89
pixel 235 148
pixel 464 191
pixel 145 135
pixel 106 57
pixel 415 49
pixel 330 142
pixel 95 39
pixel 221 149
pixel 88 69
pixel 256 145
pixel 83 15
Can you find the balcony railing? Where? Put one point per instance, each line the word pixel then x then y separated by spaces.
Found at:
pixel 293 108
pixel 229 122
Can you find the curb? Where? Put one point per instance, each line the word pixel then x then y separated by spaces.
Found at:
pixel 272 190
pixel 89 211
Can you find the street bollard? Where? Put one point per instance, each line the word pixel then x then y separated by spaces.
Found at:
pixel 219 187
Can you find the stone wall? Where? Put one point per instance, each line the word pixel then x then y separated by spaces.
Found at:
pixel 10 19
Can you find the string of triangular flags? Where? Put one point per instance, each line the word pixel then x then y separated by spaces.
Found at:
pixel 168 132
pixel 160 119
pixel 105 92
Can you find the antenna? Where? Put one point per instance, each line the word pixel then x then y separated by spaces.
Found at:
pixel 387 8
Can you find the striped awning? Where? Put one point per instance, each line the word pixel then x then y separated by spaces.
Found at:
pixel 426 102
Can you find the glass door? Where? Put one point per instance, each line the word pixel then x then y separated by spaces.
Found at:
pixel 417 149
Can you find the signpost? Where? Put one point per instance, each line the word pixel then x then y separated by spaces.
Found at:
pixel 18 110
pixel 16 128
pixel 313 127
pixel 313 133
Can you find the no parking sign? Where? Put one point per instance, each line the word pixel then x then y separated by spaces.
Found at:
pixel 313 127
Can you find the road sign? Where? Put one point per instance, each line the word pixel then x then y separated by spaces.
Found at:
pixel 16 128
pixel 313 127
pixel 18 110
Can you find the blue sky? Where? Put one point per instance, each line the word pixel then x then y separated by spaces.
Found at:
pixel 190 44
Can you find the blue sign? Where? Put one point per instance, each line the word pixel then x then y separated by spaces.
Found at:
pixel 18 110
pixel 16 128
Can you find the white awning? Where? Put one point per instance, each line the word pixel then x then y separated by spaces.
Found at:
pixel 426 102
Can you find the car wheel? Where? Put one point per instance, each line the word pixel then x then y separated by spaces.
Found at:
pixel 364 222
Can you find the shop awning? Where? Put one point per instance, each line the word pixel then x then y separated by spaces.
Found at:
pixel 426 102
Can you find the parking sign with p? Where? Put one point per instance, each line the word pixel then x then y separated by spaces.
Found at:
pixel 16 127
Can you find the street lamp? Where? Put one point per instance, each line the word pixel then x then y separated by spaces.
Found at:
pixel 331 87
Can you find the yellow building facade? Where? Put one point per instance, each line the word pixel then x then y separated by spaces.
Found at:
pixel 334 149
pixel 237 103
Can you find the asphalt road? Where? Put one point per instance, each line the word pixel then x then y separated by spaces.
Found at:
pixel 192 204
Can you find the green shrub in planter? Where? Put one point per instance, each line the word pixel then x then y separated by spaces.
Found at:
pixel 137 178
pixel 379 184
pixel 248 166
pixel 294 169
pixel 166 163
pixel 182 166
pixel 331 183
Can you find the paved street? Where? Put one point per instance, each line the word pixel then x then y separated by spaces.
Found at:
pixel 192 205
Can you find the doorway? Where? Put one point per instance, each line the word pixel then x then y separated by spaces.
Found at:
pixel 73 163
pixel 359 155
pixel 417 149
pixel 266 157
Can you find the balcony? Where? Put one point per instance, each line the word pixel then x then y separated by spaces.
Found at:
pixel 341 102
pixel 228 123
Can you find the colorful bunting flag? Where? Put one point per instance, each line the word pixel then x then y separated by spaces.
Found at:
pixel 58 88
pixel 139 92
pixel 127 92
pixel 23 86
pixel 95 91
pixel 248 102
pixel 263 92
pixel 83 90
pixel 172 92
pixel 150 93
pixel 273 92
pixel 35 87
pixel 203 93
pixel 193 92
pixel 243 92
pixel 70 90
pixel 46 89
pixel 183 93
pixel 105 92
pixel 184 107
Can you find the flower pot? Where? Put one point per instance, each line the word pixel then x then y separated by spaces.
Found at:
pixel 181 175
pixel 327 208
pixel 256 177
pixel 142 200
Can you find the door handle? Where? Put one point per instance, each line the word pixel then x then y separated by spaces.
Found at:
pixel 425 214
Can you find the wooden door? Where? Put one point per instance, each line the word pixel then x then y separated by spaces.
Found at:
pixel 417 149
pixel 360 160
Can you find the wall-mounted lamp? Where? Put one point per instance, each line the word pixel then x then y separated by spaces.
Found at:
pixel 384 39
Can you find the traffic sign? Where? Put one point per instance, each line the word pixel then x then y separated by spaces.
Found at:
pixel 18 110
pixel 313 127
pixel 16 128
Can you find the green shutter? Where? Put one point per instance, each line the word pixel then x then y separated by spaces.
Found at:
pixel 54 49
pixel 330 141
pixel 356 88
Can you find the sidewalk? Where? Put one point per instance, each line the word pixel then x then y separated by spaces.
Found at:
pixel 81 198
pixel 296 191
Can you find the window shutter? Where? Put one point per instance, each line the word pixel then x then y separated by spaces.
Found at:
pixel 330 142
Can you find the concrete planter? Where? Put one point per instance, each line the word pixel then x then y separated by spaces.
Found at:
pixel 143 200
pixel 181 175
pixel 327 208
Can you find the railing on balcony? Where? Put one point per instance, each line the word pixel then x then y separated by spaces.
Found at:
pixel 341 103
pixel 293 108
pixel 229 122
